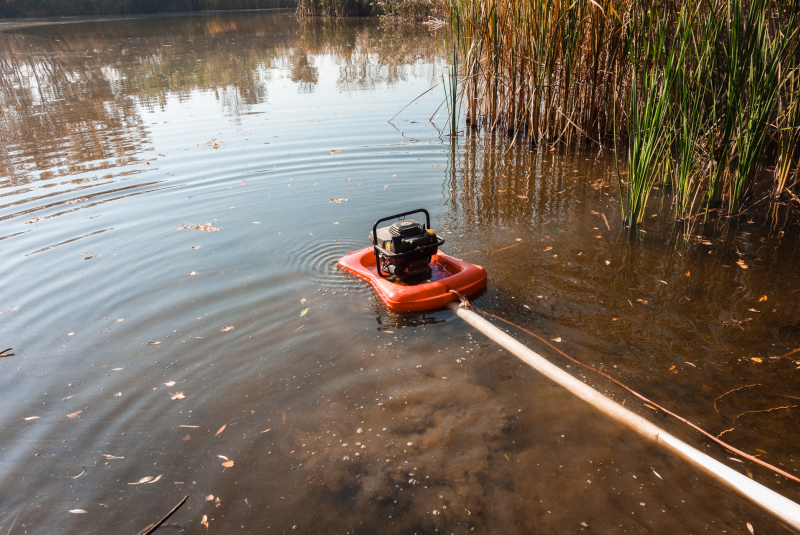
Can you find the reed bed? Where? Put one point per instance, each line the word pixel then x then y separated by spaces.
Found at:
pixel 698 97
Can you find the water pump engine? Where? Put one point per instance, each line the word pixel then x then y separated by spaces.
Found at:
pixel 404 249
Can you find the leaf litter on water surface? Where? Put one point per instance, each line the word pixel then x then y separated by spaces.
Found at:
pixel 147 480
pixel 178 395
pixel 221 429
pixel 230 328
pixel 228 464
pixel 304 312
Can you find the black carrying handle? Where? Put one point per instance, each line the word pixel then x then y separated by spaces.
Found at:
pixel 375 234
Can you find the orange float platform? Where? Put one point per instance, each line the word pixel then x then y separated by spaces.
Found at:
pixel 447 273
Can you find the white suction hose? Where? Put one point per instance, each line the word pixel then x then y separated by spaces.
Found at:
pixel 782 507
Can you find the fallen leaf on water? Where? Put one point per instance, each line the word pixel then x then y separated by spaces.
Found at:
pixel 118 394
pixel 657 474
pixel 750 528
pixel 226 329
pixel 153 343
pixel 149 480
pixel 73 415
pixel 547 249
pixel 178 395
pixel 221 429
pixel 222 457
pixel 266 430
pixel 753 310
pixel 557 339
pixel 35 219
pixel 741 264
pixel 227 464
pixel 32 418
pixel 672 367
pixel 756 359
pixel 77 511
pixel 762 298
pixel 283 416
pixel 387 331
pixel 204 521
pixel 642 301
pixel 519 239
pixel 335 151
pixel 303 313
pixel 688 273
pixel 171 383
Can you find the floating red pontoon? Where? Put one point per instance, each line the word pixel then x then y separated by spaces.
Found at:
pixel 408 272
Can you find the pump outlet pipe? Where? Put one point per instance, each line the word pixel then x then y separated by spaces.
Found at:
pixel 780 506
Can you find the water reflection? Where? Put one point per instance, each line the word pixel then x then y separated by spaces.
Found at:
pixel 73 95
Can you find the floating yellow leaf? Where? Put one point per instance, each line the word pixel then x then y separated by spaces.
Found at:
pixel 762 298
pixel 756 359
pixel 226 329
pixel 303 313
pixel 227 464
pixel 204 521
pixel 547 249
pixel 178 395
pixel 221 429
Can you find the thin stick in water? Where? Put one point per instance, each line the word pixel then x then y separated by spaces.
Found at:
pixel 151 528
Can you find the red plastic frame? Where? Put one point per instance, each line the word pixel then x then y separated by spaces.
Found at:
pixel 465 278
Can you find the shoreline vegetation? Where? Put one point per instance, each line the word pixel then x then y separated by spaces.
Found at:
pixel 16 9
pixel 701 100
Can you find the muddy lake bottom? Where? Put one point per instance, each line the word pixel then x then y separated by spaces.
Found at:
pixel 174 196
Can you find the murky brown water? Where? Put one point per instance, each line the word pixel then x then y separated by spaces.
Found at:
pixel 339 416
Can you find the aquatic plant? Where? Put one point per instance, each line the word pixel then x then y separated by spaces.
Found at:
pixel 695 96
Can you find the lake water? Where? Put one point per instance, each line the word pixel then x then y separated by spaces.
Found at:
pixel 166 179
